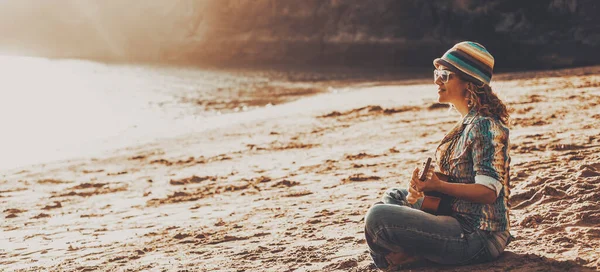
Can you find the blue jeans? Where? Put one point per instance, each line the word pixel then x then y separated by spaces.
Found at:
pixel 397 226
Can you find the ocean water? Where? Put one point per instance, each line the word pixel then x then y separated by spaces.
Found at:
pixel 56 109
pixel 59 109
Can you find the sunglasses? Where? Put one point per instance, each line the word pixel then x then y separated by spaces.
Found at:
pixel 444 75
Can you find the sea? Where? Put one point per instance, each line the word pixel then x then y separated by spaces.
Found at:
pixel 55 109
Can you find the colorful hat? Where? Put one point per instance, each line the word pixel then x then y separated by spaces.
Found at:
pixel 470 60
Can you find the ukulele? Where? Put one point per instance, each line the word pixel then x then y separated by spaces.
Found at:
pixel 435 203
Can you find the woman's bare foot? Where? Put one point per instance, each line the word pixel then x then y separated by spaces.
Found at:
pixel 398 259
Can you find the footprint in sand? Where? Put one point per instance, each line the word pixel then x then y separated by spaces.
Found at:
pixel 41 215
pixel 299 193
pixel 52 181
pixel 359 156
pixel 191 180
pixel 360 177
pixel 55 206
pixel 531 221
pixel 89 189
pixel 285 184
pixel 12 213
pixel 368 110
pixel 344 265
pixel 586 173
pixel 546 194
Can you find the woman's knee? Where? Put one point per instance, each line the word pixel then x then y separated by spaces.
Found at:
pixel 374 218
pixel 381 216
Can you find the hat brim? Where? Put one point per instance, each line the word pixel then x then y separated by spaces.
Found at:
pixel 441 62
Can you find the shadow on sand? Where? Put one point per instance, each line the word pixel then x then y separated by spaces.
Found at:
pixel 508 261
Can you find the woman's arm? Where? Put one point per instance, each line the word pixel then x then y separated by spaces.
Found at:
pixel 471 192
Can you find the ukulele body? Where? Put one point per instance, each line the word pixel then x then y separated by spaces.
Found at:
pixel 434 202
pixel 437 203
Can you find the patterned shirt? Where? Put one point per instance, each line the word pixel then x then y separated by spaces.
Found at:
pixel 480 155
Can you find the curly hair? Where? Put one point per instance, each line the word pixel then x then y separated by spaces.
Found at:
pixel 487 103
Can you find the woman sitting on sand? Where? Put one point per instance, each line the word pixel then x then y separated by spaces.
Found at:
pixel 474 154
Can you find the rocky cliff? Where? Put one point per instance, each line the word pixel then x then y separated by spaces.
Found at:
pixel 520 34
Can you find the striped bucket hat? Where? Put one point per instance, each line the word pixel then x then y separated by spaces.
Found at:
pixel 470 60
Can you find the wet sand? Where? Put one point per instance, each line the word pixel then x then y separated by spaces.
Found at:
pixel 285 188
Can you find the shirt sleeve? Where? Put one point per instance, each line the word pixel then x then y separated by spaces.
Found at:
pixel 489 182
pixel 490 153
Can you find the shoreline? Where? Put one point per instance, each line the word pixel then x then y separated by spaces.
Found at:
pixel 306 89
pixel 81 119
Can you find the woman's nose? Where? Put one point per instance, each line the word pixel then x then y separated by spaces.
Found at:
pixel 438 81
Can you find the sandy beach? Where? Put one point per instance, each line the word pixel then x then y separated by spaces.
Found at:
pixel 286 187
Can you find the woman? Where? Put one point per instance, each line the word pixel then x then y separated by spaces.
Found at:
pixel 475 156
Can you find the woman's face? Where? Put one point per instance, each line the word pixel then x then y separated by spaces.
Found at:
pixel 451 91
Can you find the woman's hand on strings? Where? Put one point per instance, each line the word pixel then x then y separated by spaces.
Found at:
pixel 431 183
pixel 413 194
